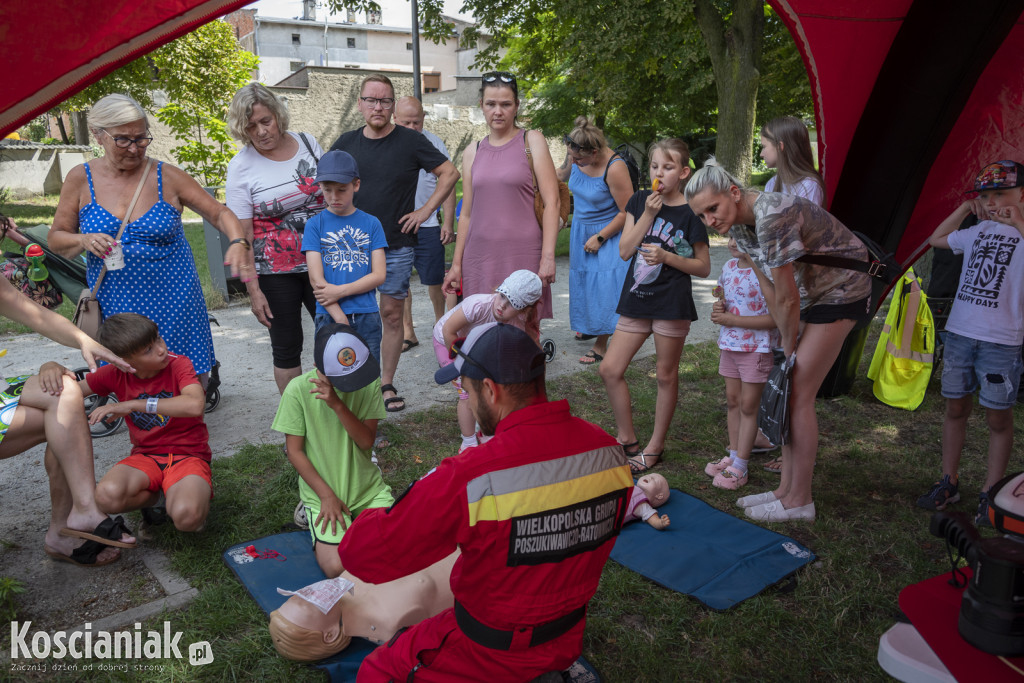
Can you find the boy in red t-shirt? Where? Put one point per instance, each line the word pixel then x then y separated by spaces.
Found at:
pixel 164 403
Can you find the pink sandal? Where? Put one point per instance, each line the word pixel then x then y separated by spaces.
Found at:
pixel 730 478
pixel 712 469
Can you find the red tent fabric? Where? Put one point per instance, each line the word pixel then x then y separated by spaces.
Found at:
pixel 912 98
pixel 51 51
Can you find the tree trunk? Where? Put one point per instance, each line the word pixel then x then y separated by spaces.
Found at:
pixel 735 50
pixel 60 125
pixel 81 127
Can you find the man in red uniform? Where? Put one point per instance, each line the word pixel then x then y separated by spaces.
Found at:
pixel 535 511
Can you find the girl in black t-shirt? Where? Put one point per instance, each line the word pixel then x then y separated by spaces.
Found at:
pixel 666 244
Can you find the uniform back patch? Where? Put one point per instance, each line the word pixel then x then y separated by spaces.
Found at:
pixel 555 535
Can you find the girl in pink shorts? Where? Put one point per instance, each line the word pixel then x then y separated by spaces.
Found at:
pixel 514 302
pixel 746 339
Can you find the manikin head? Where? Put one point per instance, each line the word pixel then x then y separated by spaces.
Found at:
pixel 655 487
pixel 302 633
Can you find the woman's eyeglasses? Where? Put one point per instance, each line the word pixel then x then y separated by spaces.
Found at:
pixel 502 76
pixel 125 143
pixel 575 146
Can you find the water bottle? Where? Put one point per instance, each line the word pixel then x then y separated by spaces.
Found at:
pixel 36 270
pixel 683 247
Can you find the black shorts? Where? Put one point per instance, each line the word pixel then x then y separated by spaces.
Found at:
pixel 822 314
pixel 287 294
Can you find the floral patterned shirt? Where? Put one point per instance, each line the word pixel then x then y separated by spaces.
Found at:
pixel 278 197
pixel 743 296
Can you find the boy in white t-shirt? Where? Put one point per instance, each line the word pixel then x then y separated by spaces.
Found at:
pixel 985 327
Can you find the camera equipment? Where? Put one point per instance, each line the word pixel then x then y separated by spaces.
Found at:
pixel 992 611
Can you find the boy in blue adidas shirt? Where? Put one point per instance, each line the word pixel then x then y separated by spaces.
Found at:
pixel 344 249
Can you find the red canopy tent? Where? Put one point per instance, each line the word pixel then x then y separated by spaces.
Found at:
pixel 912 98
pixel 51 51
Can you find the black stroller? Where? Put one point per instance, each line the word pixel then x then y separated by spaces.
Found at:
pixel 68 276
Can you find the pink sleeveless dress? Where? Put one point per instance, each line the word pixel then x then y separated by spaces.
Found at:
pixel 504 235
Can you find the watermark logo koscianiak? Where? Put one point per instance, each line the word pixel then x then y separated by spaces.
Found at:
pixel 89 644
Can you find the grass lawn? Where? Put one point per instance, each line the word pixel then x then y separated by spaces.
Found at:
pixel 871 541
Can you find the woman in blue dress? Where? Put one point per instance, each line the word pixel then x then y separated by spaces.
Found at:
pixel 601 186
pixel 159 278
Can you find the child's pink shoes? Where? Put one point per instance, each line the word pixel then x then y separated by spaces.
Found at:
pixel 713 469
pixel 730 478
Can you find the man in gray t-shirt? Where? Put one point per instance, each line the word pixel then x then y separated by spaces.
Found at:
pixel 433 235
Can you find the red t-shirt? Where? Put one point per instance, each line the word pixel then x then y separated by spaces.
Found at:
pixel 152 433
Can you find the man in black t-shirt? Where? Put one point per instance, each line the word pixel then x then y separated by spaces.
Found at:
pixel 390 158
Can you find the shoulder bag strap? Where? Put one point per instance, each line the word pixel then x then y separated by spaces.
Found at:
pixel 615 155
pixel 124 222
pixel 837 262
pixel 529 158
pixel 309 147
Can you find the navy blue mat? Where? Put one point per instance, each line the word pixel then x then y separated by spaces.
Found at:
pixel 706 553
pixel 296 567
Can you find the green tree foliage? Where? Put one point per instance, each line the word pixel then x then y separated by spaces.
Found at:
pixel 199 74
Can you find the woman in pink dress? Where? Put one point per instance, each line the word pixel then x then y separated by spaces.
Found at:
pixel 498 231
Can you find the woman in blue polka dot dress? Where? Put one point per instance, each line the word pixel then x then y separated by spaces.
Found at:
pixel 159 278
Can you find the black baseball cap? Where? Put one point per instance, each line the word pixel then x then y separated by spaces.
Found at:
pixel 495 351
pixel 344 358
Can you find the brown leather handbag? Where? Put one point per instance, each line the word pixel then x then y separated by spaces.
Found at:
pixel 538 201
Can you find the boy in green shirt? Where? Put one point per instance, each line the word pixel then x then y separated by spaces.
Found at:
pixel 329 418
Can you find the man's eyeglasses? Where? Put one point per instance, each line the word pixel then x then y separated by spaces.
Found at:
pixel 575 146
pixel 125 143
pixel 502 76
pixel 455 350
pixel 384 102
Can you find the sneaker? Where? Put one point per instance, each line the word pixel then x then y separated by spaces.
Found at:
pixel 775 511
pixel 981 519
pixel 944 492
pixel 712 469
pixel 300 516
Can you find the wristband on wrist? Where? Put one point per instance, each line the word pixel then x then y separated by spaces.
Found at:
pixel 241 240
pixel 151 404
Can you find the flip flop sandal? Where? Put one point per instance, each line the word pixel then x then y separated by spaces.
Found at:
pixel 774 466
pixel 631 449
pixel 642 466
pixel 584 337
pixel 394 399
pixel 591 358
pixel 83 556
pixel 409 344
pixel 107 532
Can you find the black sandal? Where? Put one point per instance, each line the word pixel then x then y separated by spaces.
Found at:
pixel 107 532
pixel 631 449
pixel 394 399
pixel 642 466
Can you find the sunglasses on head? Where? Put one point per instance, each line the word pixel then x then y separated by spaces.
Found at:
pixel 455 350
pixel 575 146
pixel 500 76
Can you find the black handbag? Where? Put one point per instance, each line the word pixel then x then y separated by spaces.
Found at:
pixel 773 413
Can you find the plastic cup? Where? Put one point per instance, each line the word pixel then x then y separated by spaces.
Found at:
pixel 115 259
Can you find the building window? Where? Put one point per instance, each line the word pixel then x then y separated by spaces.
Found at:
pixel 431 82
pixel 295 66
pixel 408 46
pixel 296 39
pixel 351 42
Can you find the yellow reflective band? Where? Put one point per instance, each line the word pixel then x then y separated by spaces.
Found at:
pixel 550 497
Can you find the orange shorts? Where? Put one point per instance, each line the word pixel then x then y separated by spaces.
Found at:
pixel 164 471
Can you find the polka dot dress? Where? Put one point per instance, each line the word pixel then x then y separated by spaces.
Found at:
pixel 159 278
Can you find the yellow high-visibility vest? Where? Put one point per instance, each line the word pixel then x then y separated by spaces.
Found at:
pixel 902 364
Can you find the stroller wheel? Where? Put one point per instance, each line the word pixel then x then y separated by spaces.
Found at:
pixel 103 428
pixel 100 429
pixel 212 400
pixel 549 350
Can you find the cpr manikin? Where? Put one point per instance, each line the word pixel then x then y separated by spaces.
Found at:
pixel 651 491
pixel 321 619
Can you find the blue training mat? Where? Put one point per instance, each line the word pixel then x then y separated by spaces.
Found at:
pixel 706 553
pixel 296 567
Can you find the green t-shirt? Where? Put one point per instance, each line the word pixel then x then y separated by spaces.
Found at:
pixel 344 466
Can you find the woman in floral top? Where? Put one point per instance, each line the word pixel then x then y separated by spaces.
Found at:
pixel 271 189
